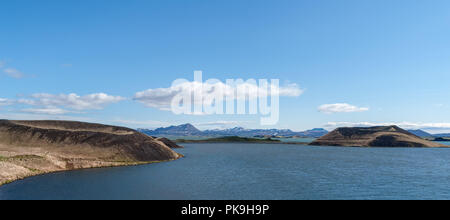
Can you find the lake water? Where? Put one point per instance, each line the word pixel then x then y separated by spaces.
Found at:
pixel 257 171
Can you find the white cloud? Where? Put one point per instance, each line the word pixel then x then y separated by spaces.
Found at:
pixel 28 116
pixel 161 98
pixel 13 73
pixel 46 111
pixel 2 63
pixel 431 127
pixel 71 101
pixel 340 107
pixel 4 102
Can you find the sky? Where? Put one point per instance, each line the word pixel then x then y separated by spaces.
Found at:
pixel 341 63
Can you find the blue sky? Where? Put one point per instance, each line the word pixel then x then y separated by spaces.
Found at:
pixel 387 60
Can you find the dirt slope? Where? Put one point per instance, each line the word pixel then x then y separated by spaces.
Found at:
pixel 35 147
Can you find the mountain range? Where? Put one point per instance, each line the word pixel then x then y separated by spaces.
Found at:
pixel 190 130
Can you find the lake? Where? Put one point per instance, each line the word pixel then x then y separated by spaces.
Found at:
pixel 257 171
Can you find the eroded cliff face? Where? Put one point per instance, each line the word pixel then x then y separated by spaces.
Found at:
pixel 36 147
pixel 383 136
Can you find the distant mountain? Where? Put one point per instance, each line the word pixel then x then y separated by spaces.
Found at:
pixel 421 133
pixel 181 130
pixel 238 131
pixel 190 130
pixel 316 132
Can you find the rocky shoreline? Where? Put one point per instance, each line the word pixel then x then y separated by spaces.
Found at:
pixel 20 176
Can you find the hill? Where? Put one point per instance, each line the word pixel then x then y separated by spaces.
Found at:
pixel 168 142
pixel 34 147
pixel 384 136
pixel 181 130
pixel 315 133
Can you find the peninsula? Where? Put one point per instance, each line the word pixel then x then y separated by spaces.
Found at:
pixel 382 136
pixel 30 148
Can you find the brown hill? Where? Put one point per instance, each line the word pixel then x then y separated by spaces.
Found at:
pixel 168 142
pixel 383 136
pixel 34 147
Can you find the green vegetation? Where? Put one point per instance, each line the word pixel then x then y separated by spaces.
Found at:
pixel 232 139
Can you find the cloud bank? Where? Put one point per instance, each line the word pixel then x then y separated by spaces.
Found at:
pixel 50 104
pixel 71 101
pixel 340 107
pixel 4 102
pixel 161 98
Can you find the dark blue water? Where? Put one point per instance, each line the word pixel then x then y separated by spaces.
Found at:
pixel 251 171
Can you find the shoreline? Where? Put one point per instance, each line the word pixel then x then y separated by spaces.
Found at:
pixel 124 164
pixel 227 142
pixel 306 144
pixel 237 139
